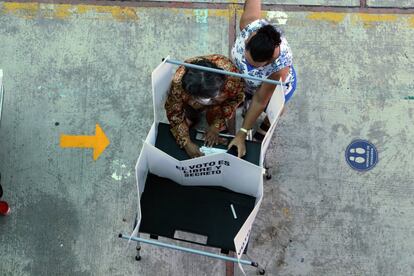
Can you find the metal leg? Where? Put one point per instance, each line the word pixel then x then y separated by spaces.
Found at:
pixel 138 256
pixel 260 269
pixel 268 174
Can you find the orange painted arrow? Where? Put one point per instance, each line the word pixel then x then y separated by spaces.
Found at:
pixel 99 142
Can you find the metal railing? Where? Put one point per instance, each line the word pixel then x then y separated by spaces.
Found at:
pixel 189 250
pixel 245 76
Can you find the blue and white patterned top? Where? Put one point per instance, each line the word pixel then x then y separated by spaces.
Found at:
pixel 238 58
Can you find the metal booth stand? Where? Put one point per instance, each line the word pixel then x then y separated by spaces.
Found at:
pixel 215 196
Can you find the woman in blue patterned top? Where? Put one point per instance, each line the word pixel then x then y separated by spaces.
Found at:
pixel 262 51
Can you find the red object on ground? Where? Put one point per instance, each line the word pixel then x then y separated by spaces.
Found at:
pixel 4 208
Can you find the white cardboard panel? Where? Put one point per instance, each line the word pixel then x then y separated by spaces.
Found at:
pixel 162 164
pixel 141 173
pixel 242 237
pixel 244 177
pixel 273 112
pixel 152 134
pixel 161 81
pixel 221 169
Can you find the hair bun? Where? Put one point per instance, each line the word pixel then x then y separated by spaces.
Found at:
pixel 271 33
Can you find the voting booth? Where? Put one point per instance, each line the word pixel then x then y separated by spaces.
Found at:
pixel 216 196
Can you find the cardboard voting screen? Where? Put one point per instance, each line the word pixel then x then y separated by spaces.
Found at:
pixel 221 169
pixel 161 81
pixel 273 112
pixel 242 238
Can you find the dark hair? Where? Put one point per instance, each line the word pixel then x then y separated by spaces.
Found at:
pixel 202 83
pixel 263 44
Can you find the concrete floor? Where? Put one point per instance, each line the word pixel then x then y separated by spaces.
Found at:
pixel 68 67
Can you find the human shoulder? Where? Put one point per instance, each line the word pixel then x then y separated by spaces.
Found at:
pixel 222 62
pixel 253 27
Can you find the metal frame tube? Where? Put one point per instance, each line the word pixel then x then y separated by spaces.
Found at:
pixel 176 62
pixel 188 250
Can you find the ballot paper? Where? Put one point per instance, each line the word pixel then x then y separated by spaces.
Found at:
pixel 209 151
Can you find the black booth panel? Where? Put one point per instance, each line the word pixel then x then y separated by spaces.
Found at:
pixel 167 206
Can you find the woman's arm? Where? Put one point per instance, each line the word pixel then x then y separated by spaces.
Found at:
pixel 252 11
pixel 179 128
pixel 175 114
pixel 259 102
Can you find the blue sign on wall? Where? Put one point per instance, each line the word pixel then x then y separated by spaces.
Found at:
pixel 361 155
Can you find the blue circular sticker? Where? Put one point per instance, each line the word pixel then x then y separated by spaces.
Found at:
pixel 361 155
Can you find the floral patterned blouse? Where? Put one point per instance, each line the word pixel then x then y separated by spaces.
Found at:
pixel 231 96
pixel 238 57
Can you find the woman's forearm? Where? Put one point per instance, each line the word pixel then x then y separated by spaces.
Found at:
pixel 256 108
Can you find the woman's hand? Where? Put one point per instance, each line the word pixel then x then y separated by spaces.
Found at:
pixel 239 141
pixel 212 136
pixel 192 150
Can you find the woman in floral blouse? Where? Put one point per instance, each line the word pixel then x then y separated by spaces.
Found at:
pixel 260 50
pixel 193 91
